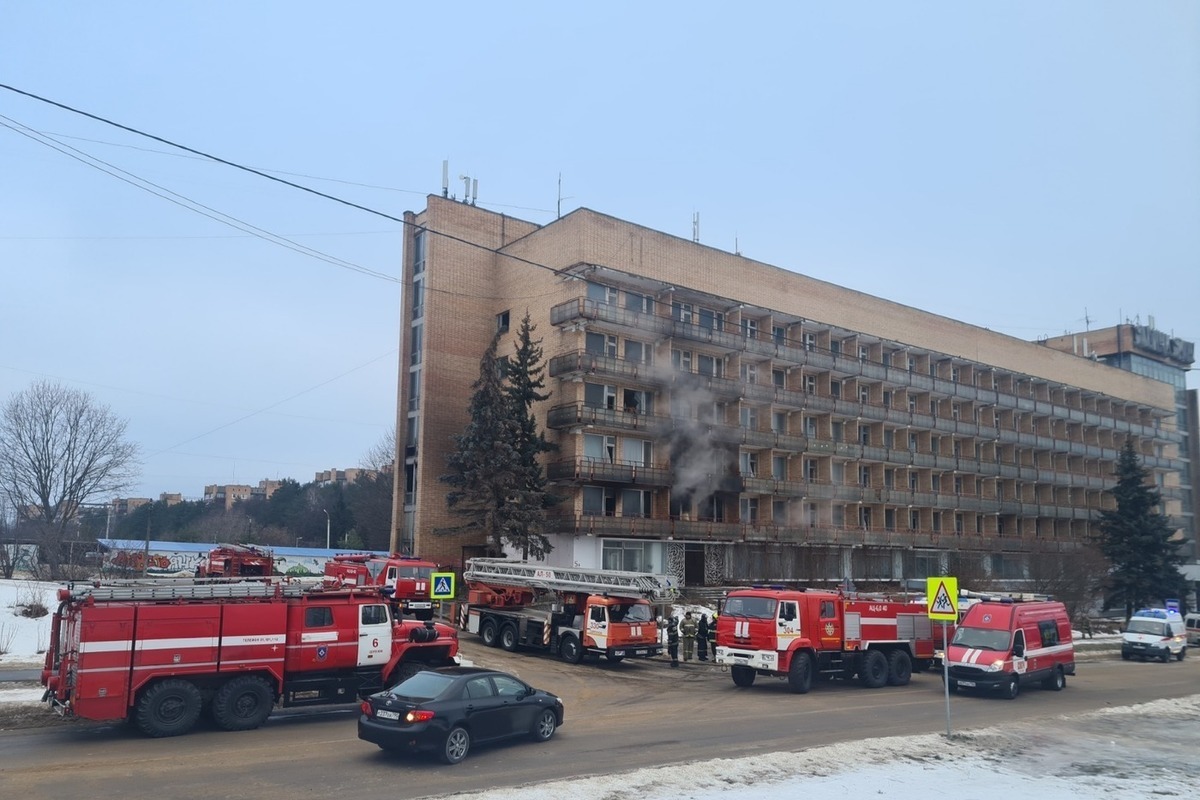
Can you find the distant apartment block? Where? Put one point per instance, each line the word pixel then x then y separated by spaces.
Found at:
pixel 124 505
pixel 226 495
pixel 342 477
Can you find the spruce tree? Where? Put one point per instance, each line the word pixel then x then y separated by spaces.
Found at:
pixel 1137 540
pixel 483 468
pixel 525 518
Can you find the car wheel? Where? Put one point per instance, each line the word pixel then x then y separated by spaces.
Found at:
pixel 1166 656
pixel 1012 688
pixel 874 669
pixel 1126 656
pixel 899 668
pixel 544 726
pixel 487 632
pixel 508 638
pixel 800 674
pixel 1056 681
pixel 1182 653
pixel 242 704
pixel 458 744
pixel 742 676
pixel 168 708
pixel 570 650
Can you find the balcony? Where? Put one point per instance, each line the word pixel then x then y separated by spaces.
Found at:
pixel 600 472
pixel 579 415
pixel 579 364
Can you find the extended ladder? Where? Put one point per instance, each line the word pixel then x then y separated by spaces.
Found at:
pixel 185 589
pixel 658 588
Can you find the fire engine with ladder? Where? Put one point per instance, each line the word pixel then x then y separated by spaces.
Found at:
pixel 803 635
pixel 159 653
pixel 571 612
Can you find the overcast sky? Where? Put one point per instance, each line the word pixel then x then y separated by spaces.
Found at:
pixel 1030 167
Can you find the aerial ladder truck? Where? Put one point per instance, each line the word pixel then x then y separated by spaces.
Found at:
pixel 570 612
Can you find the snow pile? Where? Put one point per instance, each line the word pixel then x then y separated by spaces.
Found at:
pixel 23 639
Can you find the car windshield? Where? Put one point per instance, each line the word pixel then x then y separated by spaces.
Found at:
pixel 982 638
pixel 633 612
pixel 423 685
pixel 753 607
pixel 1150 626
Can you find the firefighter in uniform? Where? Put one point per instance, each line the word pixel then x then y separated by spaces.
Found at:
pixel 702 638
pixel 712 636
pixel 673 641
pixel 687 630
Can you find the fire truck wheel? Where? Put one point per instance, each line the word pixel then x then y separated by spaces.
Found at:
pixel 873 672
pixel 458 743
pixel 800 673
pixel 487 632
pixel 508 638
pixel 742 676
pixel 168 708
pixel 1056 681
pixel 1012 688
pixel 544 726
pixel 899 668
pixel 242 704
pixel 570 650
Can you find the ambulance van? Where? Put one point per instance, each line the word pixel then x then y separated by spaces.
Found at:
pixel 1154 633
pixel 1003 646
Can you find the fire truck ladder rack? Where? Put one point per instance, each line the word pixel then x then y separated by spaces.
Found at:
pixel 657 588
pixel 185 589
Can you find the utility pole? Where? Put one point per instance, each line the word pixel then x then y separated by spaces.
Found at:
pixel 326 527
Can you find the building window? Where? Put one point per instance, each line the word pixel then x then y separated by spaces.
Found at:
pixel 635 503
pixel 414 357
pixel 711 366
pixel 779 467
pixel 419 251
pixel 599 448
pixel 502 320
pixel 711 320
pixel 810 470
pixel 810 341
pixel 601 293
pixel 682 360
pixel 682 312
pixel 749 465
pixel 599 502
pixel 418 299
pixel 639 303
pixel 778 378
pixel 632 556
pixel 748 508
pixel 863 352
pixel 778 334
pixel 750 328
pixel 835 388
pixel 864 394
pixel 749 373
pixel 864 476
pixel 864 435
pixel 810 384
pixel 779 422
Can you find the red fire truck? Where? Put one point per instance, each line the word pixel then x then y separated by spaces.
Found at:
pixel 799 635
pixel 237 561
pixel 405 579
pixel 571 612
pixel 159 653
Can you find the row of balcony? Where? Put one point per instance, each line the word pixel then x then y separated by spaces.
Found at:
pixel 604 473
pixel 642 376
pixel 580 415
pixel 794 354
pixel 815 535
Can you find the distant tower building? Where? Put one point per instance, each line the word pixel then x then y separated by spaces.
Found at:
pixel 1143 350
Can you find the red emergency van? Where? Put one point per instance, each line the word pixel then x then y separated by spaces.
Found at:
pixel 1002 646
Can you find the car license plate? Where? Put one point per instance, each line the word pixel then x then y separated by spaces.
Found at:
pixel 384 714
pixel 969 684
pixel 641 652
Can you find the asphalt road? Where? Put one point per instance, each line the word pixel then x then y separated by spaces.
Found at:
pixel 619 718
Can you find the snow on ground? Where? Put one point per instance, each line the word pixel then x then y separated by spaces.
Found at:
pixel 1122 753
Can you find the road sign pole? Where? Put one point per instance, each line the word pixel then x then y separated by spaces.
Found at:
pixel 946 677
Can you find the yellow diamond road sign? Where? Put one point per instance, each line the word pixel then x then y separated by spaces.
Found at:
pixel 941 598
pixel 441 586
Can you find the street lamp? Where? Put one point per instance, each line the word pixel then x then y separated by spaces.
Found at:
pixel 326 528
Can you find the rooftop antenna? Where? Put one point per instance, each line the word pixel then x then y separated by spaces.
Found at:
pixel 466 179
pixel 560 196
pixel 737 251
pixel 445 177
pixel 696 226
pixel 1087 321
pixel 474 190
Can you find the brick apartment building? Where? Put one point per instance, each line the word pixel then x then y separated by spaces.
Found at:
pixel 722 419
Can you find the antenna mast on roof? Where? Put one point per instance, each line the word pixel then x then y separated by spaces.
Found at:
pixel 696 226
pixel 445 177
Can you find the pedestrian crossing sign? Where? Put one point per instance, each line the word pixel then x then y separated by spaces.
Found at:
pixel 441 586
pixel 941 598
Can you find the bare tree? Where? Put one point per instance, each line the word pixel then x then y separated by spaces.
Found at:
pixel 58 449
pixel 382 454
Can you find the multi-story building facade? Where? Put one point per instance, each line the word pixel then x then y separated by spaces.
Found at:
pixel 722 419
pixel 1156 354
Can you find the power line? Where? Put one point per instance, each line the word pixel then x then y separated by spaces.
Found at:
pixel 269 177
pixel 184 201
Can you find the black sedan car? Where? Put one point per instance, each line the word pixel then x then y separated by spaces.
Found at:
pixel 447 710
